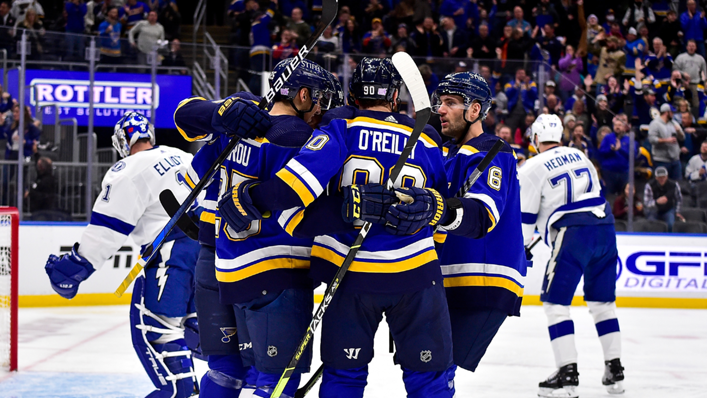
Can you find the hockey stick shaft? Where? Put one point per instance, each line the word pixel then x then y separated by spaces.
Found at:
pixel 490 155
pixel 171 205
pixel 302 391
pixel 329 11
pixel 411 76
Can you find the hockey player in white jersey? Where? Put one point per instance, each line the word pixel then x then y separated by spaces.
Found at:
pixel 560 194
pixel 162 309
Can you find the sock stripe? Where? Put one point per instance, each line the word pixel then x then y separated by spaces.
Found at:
pixel 562 329
pixel 607 326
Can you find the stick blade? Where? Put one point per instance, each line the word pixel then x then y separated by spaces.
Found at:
pixel 407 68
pixel 171 205
pixel 329 10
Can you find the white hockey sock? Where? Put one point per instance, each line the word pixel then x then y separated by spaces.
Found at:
pixel 561 330
pixel 607 328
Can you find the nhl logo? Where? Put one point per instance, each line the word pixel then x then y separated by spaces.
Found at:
pixel 425 356
pixel 272 351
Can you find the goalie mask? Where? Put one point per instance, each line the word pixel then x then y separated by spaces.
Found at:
pixel 546 128
pixel 129 129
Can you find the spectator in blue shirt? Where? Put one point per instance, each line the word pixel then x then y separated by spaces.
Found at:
pixel 455 9
pixel 519 22
pixel 133 12
pixel 521 94
pixel 546 14
pixel 659 63
pixel 614 156
pixel 634 49
pixel 693 25
pixel 110 30
pixel 75 11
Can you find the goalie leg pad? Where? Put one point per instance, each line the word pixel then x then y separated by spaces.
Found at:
pixel 343 383
pixel 427 384
pixel 169 364
pixel 225 378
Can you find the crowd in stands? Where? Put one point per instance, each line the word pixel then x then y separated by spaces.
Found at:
pixel 636 66
pixel 127 30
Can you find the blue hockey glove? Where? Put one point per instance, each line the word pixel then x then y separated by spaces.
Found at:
pixel 240 118
pixel 421 207
pixel 236 207
pixel 67 272
pixel 368 202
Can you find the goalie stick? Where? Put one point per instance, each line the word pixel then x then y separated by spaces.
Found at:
pixel 171 205
pixel 416 86
pixel 329 11
pixel 480 168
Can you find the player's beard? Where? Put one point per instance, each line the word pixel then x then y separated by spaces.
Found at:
pixel 456 128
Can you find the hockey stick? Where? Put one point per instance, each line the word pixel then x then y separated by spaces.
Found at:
pixel 171 205
pixel 416 86
pixel 302 391
pixel 490 155
pixel 329 11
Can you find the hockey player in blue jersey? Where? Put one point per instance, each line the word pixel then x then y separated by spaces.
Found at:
pixel 262 271
pixel 398 276
pixel 162 303
pixel 483 259
pixel 561 196
pixel 217 122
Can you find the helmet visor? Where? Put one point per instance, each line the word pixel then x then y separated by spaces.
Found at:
pixel 448 100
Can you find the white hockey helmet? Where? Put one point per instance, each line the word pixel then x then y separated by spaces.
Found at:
pixel 546 128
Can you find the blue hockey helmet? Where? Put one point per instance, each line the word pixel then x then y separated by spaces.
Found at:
pixel 129 129
pixel 289 80
pixel 374 79
pixel 334 95
pixel 472 87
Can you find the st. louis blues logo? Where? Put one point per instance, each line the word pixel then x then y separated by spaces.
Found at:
pixel 228 332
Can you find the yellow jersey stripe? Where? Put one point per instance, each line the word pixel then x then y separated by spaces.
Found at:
pixel 428 140
pixel 208 217
pixel 181 104
pixel 259 268
pixel 440 237
pixel 379 122
pixel 298 186
pixel 491 281
pixel 189 181
pixel 375 267
pixel 493 220
pixel 294 222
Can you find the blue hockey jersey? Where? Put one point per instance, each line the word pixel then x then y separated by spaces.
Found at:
pixel 486 272
pixel 358 146
pixel 193 118
pixel 263 257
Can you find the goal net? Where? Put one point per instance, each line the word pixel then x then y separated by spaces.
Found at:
pixel 9 224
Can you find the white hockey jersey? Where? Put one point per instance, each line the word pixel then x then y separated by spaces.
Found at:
pixel 129 201
pixel 560 187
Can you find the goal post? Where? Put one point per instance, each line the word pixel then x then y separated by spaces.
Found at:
pixel 9 243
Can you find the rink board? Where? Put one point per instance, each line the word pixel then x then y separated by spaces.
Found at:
pixel 654 270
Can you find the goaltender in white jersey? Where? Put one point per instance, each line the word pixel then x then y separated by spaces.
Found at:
pixel 162 312
pixel 561 195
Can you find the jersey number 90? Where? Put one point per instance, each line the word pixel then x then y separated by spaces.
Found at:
pixel 367 170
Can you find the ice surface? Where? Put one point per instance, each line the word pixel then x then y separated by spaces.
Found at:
pixel 86 352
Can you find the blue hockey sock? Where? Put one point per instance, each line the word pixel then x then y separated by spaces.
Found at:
pixel 343 383
pixel 267 381
pixel 427 384
pixel 225 377
pixel 451 372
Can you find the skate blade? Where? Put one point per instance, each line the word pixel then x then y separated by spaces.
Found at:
pixel 616 388
pixel 564 392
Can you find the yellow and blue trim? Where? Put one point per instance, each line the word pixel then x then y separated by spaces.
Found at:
pixel 181 131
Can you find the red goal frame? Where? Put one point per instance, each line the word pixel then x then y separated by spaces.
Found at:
pixel 14 280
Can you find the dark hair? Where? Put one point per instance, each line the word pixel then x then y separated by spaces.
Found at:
pixel 370 103
pixel 691 40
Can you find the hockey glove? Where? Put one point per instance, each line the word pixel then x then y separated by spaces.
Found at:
pixel 240 118
pixel 420 207
pixel 368 202
pixel 67 272
pixel 236 207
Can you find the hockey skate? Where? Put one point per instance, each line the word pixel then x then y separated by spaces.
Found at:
pixel 613 376
pixel 562 383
